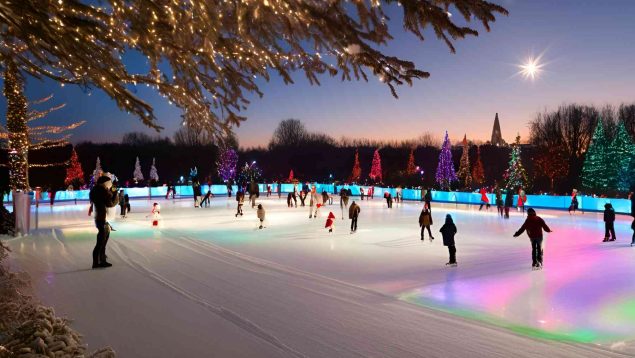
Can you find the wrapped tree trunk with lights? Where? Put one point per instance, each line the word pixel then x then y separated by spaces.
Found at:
pixel 18 131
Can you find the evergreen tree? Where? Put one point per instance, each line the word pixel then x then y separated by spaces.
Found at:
pixel 154 176
pixel 594 170
pixel 356 174
pixel 96 174
pixel 137 175
pixel 74 173
pixel 478 171
pixel 411 169
pixel 515 176
pixel 249 173
pixel 226 164
pixel 621 152
pixel 375 170
pixel 445 169
pixel 464 167
pixel 290 179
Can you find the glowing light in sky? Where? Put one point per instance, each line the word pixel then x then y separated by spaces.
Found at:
pixel 531 68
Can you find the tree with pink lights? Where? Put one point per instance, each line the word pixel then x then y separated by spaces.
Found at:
pixel 445 169
pixel 375 170
pixel 226 164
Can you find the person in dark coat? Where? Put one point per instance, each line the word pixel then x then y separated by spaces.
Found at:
pixel 509 201
pixel 428 199
pixel 534 225
pixel 448 231
pixel 353 214
pixel 279 184
pixel 196 191
pixel 122 203
pixel 499 202
pixel 388 198
pixel 343 200
pixel 229 188
pixel 425 221
pixel 289 200
pixel 609 223
pixel 633 228
pixel 240 199
pixel 102 196
pixel 254 193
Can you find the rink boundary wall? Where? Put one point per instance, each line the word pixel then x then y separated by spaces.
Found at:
pixel 586 203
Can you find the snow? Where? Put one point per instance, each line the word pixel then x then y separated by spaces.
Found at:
pixel 208 284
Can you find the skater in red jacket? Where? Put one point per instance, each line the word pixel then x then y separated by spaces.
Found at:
pixel 330 222
pixel 534 225
pixel 484 199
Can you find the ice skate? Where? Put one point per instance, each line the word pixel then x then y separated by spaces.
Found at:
pixel 330 230
pixel 452 264
pixel 431 239
pixel 606 239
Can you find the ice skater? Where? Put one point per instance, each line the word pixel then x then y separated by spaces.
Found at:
pixel 361 193
pixel 509 201
pixel 428 199
pixel 279 189
pixel 325 197
pixel 499 202
pixel 289 200
pixel 343 200
pixel 522 199
pixel 484 199
pixel 102 196
pixel 268 190
pixel 425 221
pixel 388 198
pixel 261 215
pixel 302 197
pixel 574 201
pixel 155 213
pixel 207 199
pixel 240 199
pixel 353 214
pixel 534 225
pixel 330 222
pixel 126 200
pixel 609 223
pixel 398 194
pixel 448 231
pixel 122 204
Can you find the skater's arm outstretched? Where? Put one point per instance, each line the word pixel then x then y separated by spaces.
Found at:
pixel 521 230
pixel 544 225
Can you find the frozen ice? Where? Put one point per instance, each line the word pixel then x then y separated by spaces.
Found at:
pixel 205 283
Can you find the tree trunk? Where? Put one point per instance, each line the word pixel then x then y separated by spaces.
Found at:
pixel 17 128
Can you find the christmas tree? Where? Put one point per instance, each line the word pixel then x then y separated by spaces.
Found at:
pixel 248 173
pixel 74 173
pixel 154 176
pixel 290 179
pixel 478 171
pixel 515 176
pixel 464 167
pixel 445 170
pixel 356 174
pixel 411 169
pixel 594 170
pixel 552 163
pixel 226 164
pixel 96 174
pixel 621 151
pixel 137 175
pixel 375 169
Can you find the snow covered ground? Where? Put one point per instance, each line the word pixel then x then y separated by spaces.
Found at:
pixel 208 284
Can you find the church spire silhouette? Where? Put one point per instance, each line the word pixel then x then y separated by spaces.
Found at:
pixel 497 138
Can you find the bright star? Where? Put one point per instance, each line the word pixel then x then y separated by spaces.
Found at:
pixel 531 68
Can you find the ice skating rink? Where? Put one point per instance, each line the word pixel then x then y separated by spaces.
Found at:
pixel 207 284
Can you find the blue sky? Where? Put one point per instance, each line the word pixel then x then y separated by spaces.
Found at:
pixel 588 54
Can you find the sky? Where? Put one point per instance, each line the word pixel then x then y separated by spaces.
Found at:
pixel 587 51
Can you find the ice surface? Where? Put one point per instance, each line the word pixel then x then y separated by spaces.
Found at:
pixel 208 284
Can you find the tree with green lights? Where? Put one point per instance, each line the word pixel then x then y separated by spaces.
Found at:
pixel 515 176
pixel 621 151
pixel 594 170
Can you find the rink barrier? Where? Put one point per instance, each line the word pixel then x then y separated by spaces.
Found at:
pixel 586 203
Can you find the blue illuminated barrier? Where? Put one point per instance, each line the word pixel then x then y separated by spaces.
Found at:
pixel 586 203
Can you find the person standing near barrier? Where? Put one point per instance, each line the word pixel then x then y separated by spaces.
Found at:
pixel 499 202
pixel 102 196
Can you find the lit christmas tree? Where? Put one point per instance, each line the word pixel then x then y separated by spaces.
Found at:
pixel 464 174
pixel 226 164
pixel 154 176
pixel 356 174
pixel 290 178
pixel 96 174
pixel 478 171
pixel 375 169
pixel 621 151
pixel 248 173
pixel 411 169
pixel 445 174
pixel 515 176
pixel 552 163
pixel 74 173
pixel 594 170
pixel 137 175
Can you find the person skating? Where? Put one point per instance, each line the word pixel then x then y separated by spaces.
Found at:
pixel 126 199
pixel 254 193
pixel 522 199
pixel 318 204
pixel 448 231
pixel 371 192
pixel 509 201
pixel 574 201
pixel 499 202
pixel 325 197
pixel 122 203
pixel 289 200
pixel 279 184
pixel 428 199
pixel 207 199
pixel 353 214
pixel 240 199
pixel 343 200
pixel 398 194
pixel 484 199
pixel 534 225
pixel 388 198
pixel 330 222
pixel 155 213
pixel 102 196
pixel 229 188
pixel 312 201
pixel 425 221
pixel 196 191
pixel 361 193
pixel 261 215
pixel 609 223
pixel 268 190
pixel 303 195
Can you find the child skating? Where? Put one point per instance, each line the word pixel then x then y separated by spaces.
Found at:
pixel 448 231
pixel 330 222
pixel 240 199
pixel 534 225
pixel 609 223
pixel 425 221
pixel 574 201
pixel 261 215
pixel 155 213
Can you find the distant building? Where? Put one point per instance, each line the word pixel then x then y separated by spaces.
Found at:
pixel 497 137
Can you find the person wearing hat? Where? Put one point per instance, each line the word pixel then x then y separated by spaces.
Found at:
pixel 609 223
pixel 534 225
pixel 102 196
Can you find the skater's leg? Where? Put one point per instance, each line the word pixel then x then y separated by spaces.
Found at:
pixel 101 234
pixel 539 251
pixel 452 251
pixel 535 249
pixel 612 231
pixel 102 253
pixel 606 231
pixel 480 207
pixel 422 231
pixel 429 232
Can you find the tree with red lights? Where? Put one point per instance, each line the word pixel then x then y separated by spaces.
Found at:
pixel 478 171
pixel 74 173
pixel 375 169
pixel 356 174
pixel 411 169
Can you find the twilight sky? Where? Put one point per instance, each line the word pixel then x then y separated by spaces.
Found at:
pixel 588 50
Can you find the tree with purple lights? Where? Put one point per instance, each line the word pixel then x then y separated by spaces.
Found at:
pixel 226 164
pixel 375 170
pixel 445 169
